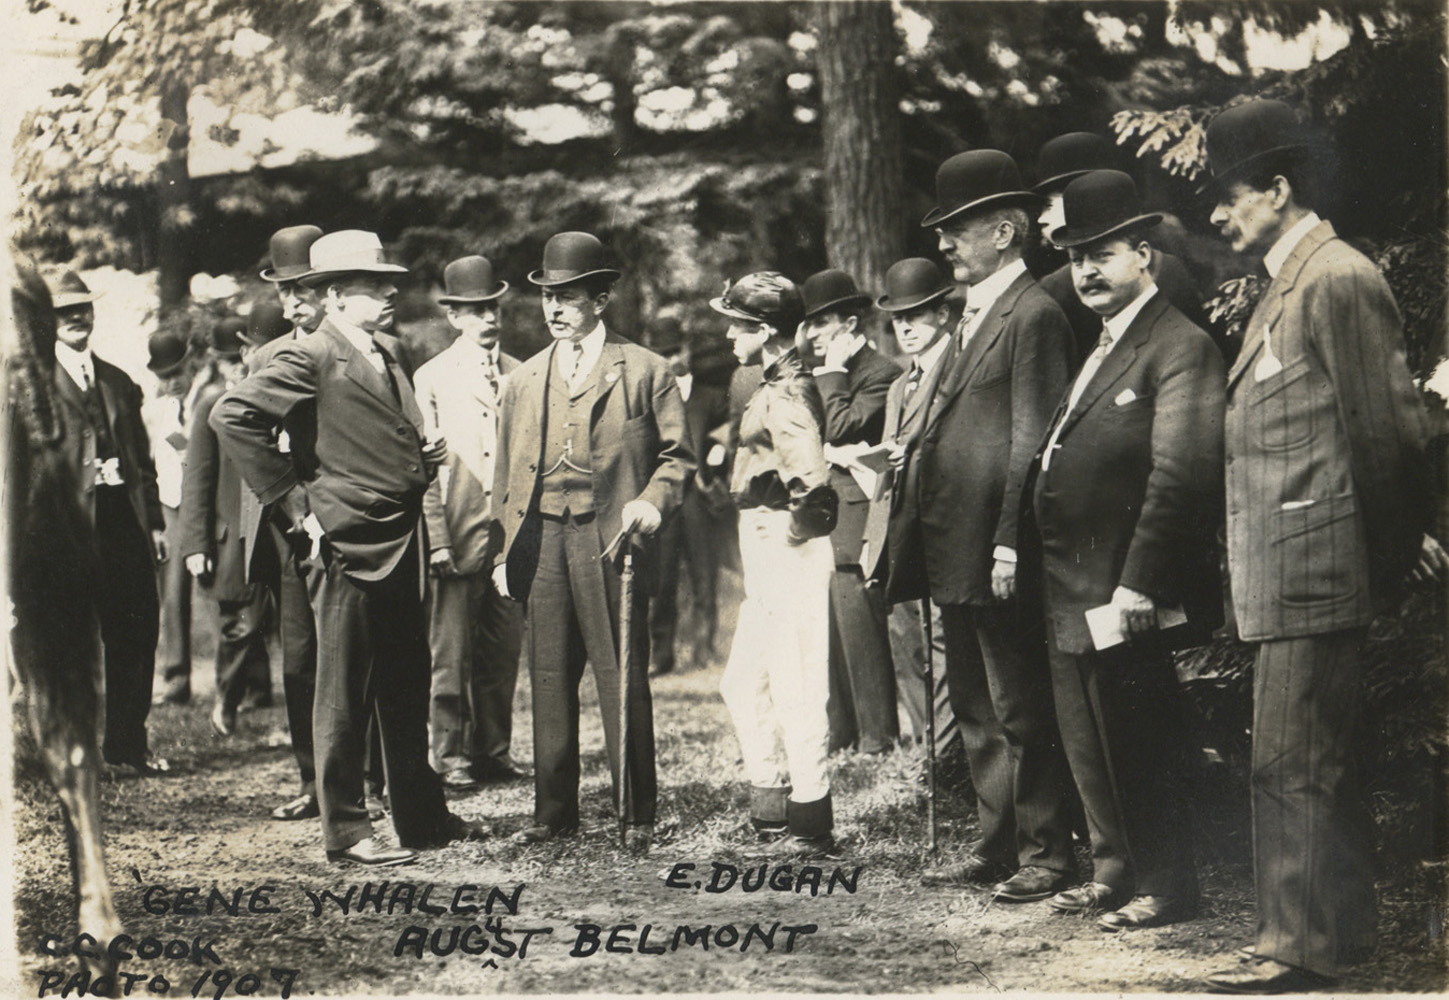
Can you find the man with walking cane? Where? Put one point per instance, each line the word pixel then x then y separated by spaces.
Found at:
pixel 591 445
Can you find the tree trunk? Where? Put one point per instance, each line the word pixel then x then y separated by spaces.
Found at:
pixel 173 197
pixel 860 128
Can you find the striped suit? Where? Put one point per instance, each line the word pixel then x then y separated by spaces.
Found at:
pixel 1324 458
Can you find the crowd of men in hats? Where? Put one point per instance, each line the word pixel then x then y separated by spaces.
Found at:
pixel 1036 496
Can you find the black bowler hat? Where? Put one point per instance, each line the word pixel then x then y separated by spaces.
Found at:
pixel 763 297
pixel 975 179
pixel 226 337
pixel 571 257
pixel 265 323
pixel 168 352
pixel 912 283
pixel 470 280
pixel 1100 204
pixel 291 253
pixel 1067 157
pixel 1244 134
pixel 831 289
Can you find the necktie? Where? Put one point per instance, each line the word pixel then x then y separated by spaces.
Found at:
pixel 387 372
pixel 87 383
pixel 490 373
pixel 568 360
pixel 913 382
pixel 963 328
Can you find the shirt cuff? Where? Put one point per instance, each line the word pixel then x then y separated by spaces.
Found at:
pixel 828 369
pixel 1003 553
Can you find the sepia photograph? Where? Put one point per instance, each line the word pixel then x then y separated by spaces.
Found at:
pixel 603 497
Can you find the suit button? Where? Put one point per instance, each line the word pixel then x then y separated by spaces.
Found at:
pixel 412 467
pixel 402 431
pixel 486 454
pixel 532 467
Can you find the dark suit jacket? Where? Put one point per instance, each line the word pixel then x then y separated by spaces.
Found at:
pixel 122 400
pixel 1172 279
pixel 367 487
pixel 854 413
pixel 973 454
pixel 638 447
pixel 1326 486
pixel 1133 493
pixel 211 512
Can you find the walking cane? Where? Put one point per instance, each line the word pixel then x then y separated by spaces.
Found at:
pixel 626 602
pixel 930 725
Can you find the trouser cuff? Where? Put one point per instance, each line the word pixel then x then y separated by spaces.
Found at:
pixel 811 819
pixel 768 805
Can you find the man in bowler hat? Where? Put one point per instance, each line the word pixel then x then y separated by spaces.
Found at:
pixel 592 444
pixel 1003 373
pixel 1061 161
pixel 475 632
pixel 110 452
pixel 359 510
pixel 852 378
pixel 1327 504
pixel 1125 496
pixel 270 558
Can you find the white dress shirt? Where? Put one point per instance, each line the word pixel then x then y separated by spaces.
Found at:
pixel 1277 255
pixel 583 354
pixel 79 365
pixel 360 339
pixel 983 295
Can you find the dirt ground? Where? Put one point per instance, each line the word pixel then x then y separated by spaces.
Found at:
pixel 570 917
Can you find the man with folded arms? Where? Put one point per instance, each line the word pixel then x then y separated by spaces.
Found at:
pixel 360 508
pixel 1127 496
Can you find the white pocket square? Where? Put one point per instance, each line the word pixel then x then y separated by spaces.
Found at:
pixel 1124 397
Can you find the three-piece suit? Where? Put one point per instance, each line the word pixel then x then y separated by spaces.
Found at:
pixel 621 428
pixel 1130 496
pixel 105 422
pixel 475 632
pixel 366 490
pixel 1326 504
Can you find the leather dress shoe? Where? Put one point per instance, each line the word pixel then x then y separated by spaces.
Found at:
pixel 1348 954
pixel 1031 883
pixel 1149 911
pixel 302 807
pixel 638 837
pixel 798 847
pixel 456 828
pixel 223 718
pixel 373 854
pixel 459 780
pixel 501 772
pixel 1264 975
pixel 972 869
pixel 767 832
pixel 376 806
pixel 1087 898
pixel 541 834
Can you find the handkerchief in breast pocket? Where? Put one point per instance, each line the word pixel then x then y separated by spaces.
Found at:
pixel 1268 365
pixel 1124 397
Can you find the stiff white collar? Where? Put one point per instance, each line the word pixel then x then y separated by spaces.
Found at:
pixel 1277 255
pixel 1118 324
pixel 79 365
pixel 980 296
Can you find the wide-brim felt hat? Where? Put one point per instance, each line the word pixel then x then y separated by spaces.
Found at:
pixel 912 283
pixel 1067 157
pixel 571 257
pixel 291 250
pixel 1244 134
pixel 265 323
pixel 348 251
pixel 831 289
pixel 763 297
pixel 469 280
pixel 1100 204
pixel 167 353
pixel 69 291
pixel 975 180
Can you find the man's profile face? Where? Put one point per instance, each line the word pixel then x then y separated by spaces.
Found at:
pixel 73 325
pixel 748 339
pixel 1053 215
pixel 823 328
pixel 1246 218
pixel 969 246
pixel 365 300
pixel 917 329
pixel 478 321
pixel 1110 273
pixel 301 306
pixel 570 312
pixel 173 384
